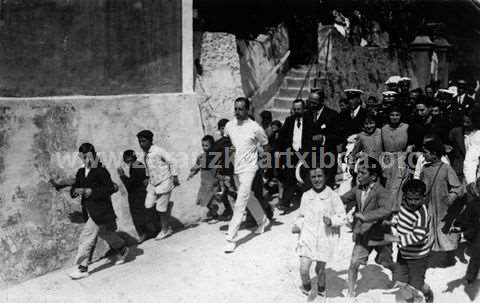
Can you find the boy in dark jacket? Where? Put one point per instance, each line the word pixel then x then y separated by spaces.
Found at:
pixel 94 185
pixel 373 205
pixel 136 185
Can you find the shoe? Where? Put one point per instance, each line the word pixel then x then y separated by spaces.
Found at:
pixel 213 221
pixel 305 289
pixel 428 297
pixel 322 292
pixel 122 256
pixel 78 274
pixel 142 238
pixel 261 228
pixel 164 234
pixel 230 247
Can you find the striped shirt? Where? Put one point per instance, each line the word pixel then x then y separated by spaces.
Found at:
pixel 412 226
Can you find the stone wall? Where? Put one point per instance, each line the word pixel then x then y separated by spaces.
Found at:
pixel 359 67
pixel 90 47
pixel 220 82
pixel 39 139
pixel 259 64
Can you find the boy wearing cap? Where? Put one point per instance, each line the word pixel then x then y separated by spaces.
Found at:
pixel 162 178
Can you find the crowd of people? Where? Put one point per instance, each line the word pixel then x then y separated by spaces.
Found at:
pixel 399 172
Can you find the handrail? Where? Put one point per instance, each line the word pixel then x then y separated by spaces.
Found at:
pixel 307 76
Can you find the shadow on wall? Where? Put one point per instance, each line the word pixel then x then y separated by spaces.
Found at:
pixel 39 141
pixel 349 66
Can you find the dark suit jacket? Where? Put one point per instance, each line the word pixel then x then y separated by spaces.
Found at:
pixel 286 134
pixel 355 125
pixel 326 125
pixel 99 204
pixel 377 207
pixel 457 139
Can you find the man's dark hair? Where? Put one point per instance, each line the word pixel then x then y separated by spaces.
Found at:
pixel 208 139
pixel 299 101
pixel 414 185
pixel 86 148
pixel 343 100
pixel 319 92
pixel 277 123
pixel 146 134
pixel 222 123
pixel 129 153
pixel 244 100
pixel 266 116
pixel 424 101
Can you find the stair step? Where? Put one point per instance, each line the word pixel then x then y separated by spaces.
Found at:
pixel 283 103
pixel 293 93
pixel 297 73
pixel 280 114
pixel 296 82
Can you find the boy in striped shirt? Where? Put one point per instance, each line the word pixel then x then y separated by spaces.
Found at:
pixel 411 231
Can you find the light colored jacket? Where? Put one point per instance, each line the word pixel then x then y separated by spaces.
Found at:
pixel 160 169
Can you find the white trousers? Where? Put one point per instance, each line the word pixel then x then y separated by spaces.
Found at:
pixel 245 199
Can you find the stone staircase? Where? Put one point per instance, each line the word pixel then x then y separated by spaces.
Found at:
pixel 292 83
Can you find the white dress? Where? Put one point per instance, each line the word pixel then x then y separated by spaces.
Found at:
pixel 317 241
pixel 472 154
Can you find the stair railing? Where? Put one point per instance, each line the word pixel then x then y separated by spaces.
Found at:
pixel 311 64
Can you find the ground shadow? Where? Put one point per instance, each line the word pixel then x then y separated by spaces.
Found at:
pixel 372 277
pixel 471 290
pixel 334 284
pixel 76 217
pixel 441 259
pixel 461 252
pixel 134 251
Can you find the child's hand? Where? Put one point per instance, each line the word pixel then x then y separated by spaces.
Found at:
pixel 296 229
pixel 87 192
pixel 360 217
pixel 121 172
pixel 391 238
pixel 327 221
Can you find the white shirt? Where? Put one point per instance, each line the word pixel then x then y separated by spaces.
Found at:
pixel 297 134
pixel 460 99
pixel 319 113
pixel 355 111
pixel 245 136
pixel 472 154
pixel 160 167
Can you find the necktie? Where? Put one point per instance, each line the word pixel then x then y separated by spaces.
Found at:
pixel 299 122
pixel 146 165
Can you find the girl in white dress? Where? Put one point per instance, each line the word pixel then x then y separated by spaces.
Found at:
pixel 321 214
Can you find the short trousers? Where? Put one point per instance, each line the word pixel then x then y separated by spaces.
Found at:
pixel 160 201
pixel 361 252
pixel 411 271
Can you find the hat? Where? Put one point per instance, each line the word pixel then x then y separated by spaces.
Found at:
pixel 393 80
pixel 389 93
pixel 446 91
pixel 404 79
pixel 353 92
pixel 462 83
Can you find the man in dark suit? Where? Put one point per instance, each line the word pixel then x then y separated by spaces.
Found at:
pixel 357 112
pixel 294 140
pixel 325 136
pixel 94 185
pixel 461 103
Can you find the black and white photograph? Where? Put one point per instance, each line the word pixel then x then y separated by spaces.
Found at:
pixel 239 151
